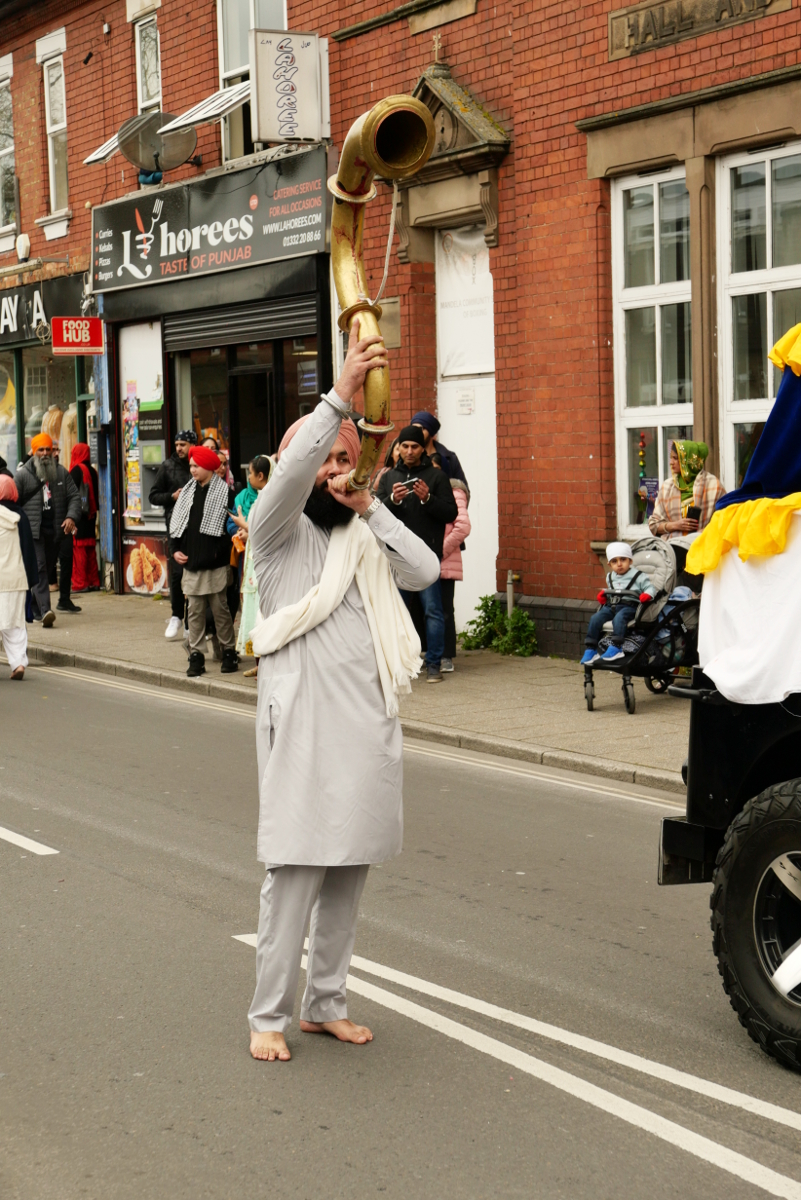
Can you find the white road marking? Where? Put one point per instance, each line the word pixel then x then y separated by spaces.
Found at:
pixel 466 758
pixel 531 772
pixel 646 1066
pixel 17 839
pixel 608 1102
pixel 642 1118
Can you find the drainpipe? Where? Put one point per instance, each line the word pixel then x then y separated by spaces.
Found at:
pixel 512 578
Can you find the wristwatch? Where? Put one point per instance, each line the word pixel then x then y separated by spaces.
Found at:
pixel 372 507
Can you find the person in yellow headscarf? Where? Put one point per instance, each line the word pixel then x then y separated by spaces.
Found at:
pixel 690 486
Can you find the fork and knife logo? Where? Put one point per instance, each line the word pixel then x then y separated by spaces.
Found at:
pixel 145 238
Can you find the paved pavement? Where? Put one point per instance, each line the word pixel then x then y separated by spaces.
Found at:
pixel 124 1068
pixel 531 709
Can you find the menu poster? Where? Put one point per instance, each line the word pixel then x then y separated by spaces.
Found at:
pixel 145 568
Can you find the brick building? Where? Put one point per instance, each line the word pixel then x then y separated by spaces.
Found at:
pixel 596 259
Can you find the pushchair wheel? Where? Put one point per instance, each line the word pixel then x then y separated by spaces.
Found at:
pixel 628 696
pixel 589 693
pixel 656 684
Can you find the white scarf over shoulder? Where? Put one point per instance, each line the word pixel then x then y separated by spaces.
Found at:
pixel 353 552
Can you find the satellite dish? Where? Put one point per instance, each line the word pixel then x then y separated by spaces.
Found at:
pixel 141 143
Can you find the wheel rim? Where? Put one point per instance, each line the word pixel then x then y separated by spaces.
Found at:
pixel 777 925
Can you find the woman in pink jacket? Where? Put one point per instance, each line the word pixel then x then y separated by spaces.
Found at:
pixel 451 569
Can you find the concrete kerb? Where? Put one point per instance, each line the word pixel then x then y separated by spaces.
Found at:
pixel 565 760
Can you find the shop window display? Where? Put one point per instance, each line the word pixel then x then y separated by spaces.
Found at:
pixel 8 411
pixel 301 390
pixel 50 402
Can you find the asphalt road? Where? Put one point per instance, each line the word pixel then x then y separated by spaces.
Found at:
pixel 124 1067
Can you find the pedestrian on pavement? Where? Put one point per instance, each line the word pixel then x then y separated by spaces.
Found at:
pixel 430 427
pixel 19 570
pixel 617 607
pixel 202 546
pixel 390 460
pixel 337 647
pixel 456 532
pixel 686 500
pixel 52 503
pixel 422 498
pixel 224 470
pixel 259 471
pixel 85 577
pixel 172 476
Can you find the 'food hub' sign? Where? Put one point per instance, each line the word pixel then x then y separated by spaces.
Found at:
pixel 271 211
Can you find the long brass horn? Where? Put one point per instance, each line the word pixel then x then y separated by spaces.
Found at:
pixel 393 140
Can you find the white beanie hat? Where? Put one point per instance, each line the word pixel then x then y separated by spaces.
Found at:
pixel 618 550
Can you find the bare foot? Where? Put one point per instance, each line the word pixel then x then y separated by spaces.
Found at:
pixel 345 1030
pixel 269 1047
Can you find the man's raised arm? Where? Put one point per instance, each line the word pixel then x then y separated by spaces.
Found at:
pixel 278 509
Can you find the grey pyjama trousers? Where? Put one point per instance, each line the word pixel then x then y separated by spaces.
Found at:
pixel 222 621
pixel 290 896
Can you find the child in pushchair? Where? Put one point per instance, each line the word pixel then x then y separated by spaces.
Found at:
pixel 645 626
pixel 626 587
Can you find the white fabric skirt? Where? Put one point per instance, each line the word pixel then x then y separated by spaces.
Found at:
pixel 12 610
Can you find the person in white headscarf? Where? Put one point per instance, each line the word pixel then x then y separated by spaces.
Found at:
pixel 336 647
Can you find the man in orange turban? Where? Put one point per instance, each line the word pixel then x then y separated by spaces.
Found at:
pixel 335 646
pixel 52 503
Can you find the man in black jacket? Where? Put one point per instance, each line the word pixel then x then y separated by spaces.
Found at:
pixel 173 475
pixel 52 504
pixel 202 546
pixel 422 497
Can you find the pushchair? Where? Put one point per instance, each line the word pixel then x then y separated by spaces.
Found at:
pixel 663 635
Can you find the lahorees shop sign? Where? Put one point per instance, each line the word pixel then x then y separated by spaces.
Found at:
pixel 646 26
pixel 261 214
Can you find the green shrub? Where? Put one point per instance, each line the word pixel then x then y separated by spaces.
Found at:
pixel 492 629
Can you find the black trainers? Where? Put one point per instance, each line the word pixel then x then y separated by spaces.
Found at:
pixel 230 662
pixel 433 675
pixel 48 619
pixel 67 606
pixel 197 664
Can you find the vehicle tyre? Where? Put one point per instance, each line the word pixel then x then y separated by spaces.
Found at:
pixel 629 698
pixel 589 693
pixel 656 684
pixel 756 919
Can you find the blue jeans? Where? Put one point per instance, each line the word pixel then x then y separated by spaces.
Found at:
pixel 431 601
pixel 620 616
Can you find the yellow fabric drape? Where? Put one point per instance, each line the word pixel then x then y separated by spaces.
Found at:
pixel 787 351
pixel 756 527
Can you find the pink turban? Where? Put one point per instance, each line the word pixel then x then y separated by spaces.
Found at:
pixel 8 489
pixel 348 435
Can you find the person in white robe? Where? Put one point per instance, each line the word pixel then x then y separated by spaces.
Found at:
pixel 336 647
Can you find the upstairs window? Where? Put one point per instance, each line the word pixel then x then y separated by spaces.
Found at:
pixel 148 66
pixel 235 18
pixel 8 202
pixel 653 333
pixel 56 121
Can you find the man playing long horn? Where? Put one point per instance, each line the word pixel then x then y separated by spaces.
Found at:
pixel 336 647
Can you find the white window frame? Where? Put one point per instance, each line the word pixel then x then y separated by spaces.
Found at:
pixel 623 299
pixel 141 104
pixel 52 130
pixel 5 82
pixel 238 73
pixel 745 283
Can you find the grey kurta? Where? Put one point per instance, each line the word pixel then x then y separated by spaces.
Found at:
pixel 329 758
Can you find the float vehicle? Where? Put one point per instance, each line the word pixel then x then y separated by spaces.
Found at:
pixel 742 828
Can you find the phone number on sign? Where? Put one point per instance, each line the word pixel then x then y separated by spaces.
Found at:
pixel 298 239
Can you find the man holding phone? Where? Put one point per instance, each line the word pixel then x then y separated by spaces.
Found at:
pixel 687 499
pixel 422 497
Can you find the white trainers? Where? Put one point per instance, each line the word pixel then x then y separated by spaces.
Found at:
pixel 174 627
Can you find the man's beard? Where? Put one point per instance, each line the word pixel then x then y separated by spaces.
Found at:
pixel 324 511
pixel 45 469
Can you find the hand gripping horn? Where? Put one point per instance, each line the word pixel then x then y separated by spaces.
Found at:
pixel 393 140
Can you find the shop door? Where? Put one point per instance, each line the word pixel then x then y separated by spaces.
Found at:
pixel 254 427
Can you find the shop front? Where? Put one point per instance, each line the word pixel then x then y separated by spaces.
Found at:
pixel 216 300
pixel 38 391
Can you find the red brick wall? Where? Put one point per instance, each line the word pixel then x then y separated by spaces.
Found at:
pixel 536 68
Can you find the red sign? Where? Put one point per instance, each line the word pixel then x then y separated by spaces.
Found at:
pixel 78 335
